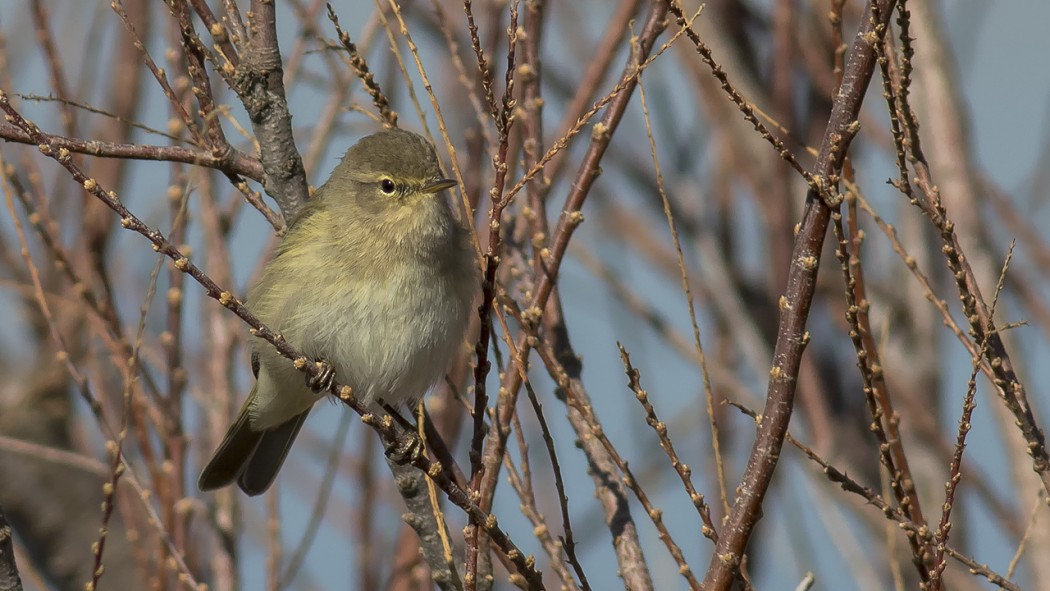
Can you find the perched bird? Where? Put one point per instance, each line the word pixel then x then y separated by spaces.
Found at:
pixel 375 277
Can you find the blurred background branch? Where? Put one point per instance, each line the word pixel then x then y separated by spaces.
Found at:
pixel 617 160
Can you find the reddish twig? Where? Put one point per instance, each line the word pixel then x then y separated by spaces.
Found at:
pixel 709 530
pixel 384 425
pixel 360 66
pixel 848 484
pixel 792 337
pixel 982 325
pixel 571 218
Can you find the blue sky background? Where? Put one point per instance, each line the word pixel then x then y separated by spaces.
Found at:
pixel 1000 49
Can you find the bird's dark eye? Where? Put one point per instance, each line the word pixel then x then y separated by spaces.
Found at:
pixel 387 186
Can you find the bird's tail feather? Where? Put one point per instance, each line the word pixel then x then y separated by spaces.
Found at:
pixel 261 468
pixel 251 458
pixel 232 455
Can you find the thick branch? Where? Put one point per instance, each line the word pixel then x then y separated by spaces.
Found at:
pixel 412 486
pixel 260 86
pixel 794 309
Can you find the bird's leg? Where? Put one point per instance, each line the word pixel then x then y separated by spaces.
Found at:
pixel 407 449
pixel 325 376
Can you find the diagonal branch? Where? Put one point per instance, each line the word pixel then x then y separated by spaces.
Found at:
pixel 792 337
pixel 391 433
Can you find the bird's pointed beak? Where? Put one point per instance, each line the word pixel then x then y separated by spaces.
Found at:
pixel 438 185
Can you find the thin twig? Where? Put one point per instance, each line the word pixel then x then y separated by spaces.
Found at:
pixel 384 425
pixel 360 66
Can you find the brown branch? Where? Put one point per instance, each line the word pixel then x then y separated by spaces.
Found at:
pixel 569 541
pixel 238 163
pixel 384 425
pixel 884 419
pixel 503 121
pixel 570 219
pixel 360 66
pixel 259 82
pixel 628 553
pixel 232 163
pixel 955 466
pixel 792 337
pixel 483 65
pixel 1008 384
pixel 634 382
pixel 196 54
pixel 218 31
pixel 604 465
pixel 849 485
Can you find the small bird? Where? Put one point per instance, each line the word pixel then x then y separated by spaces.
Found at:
pixel 375 279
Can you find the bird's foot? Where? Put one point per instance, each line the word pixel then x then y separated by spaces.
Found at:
pixel 408 448
pixel 324 379
pixel 405 450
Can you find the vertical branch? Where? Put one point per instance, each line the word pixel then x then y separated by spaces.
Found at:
pixel 260 86
pixel 55 69
pixel 960 189
pixel 536 213
pixel 628 550
pixel 195 54
pixel 955 466
pixel 571 218
pixel 490 264
pixel 792 337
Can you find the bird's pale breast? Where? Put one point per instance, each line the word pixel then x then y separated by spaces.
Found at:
pixel 390 334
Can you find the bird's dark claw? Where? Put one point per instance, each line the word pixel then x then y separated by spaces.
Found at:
pixel 408 448
pixel 405 450
pixel 325 377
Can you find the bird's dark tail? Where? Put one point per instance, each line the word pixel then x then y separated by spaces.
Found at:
pixel 251 458
pixel 261 468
